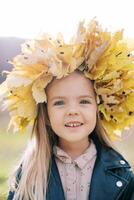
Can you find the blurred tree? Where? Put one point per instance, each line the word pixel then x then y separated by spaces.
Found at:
pixel 9 47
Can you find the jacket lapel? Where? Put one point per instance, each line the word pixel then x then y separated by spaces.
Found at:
pixel 55 189
pixel 107 180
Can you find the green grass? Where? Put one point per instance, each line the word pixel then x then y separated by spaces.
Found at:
pixel 11 148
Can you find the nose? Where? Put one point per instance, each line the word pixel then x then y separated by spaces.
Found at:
pixel 72 113
pixel 73 110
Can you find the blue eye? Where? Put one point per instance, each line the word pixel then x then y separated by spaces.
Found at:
pixel 85 102
pixel 58 103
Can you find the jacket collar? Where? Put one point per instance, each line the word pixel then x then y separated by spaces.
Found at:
pixel 109 178
pixel 111 158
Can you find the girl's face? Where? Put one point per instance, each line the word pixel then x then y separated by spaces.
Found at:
pixel 72 107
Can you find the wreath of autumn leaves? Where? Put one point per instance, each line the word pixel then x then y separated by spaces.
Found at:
pixel 102 56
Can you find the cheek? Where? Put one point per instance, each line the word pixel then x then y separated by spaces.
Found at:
pixel 91 113
pixel 55 116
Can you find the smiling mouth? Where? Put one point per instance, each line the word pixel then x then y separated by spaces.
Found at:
pixel 73 125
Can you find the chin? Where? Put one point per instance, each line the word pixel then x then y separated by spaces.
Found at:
pixel 75 139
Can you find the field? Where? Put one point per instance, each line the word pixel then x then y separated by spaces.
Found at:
pixel 11 147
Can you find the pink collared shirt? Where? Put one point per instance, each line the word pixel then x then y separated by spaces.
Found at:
pixel 76 174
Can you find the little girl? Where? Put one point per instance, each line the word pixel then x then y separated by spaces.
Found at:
pixel 77 97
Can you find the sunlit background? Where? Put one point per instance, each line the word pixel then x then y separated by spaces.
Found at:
pixel 25 19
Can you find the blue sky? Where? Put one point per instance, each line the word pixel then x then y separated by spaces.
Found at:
pixel 27 18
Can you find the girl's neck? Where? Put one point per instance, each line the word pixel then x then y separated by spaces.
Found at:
pixel 74 149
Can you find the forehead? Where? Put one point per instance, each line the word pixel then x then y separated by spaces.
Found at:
pixel 73 84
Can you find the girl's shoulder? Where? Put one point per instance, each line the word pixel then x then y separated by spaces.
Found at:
pixel 17 179
pixel 113 171
pixel 112 159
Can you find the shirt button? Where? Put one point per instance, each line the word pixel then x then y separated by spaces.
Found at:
pixel 119 184
pixel 122 162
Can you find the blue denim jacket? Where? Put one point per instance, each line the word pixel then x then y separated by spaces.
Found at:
pixel 112 178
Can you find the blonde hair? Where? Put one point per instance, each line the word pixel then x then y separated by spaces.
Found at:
pixel 36 162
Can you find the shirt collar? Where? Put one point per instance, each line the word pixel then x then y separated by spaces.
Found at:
pixel 80 161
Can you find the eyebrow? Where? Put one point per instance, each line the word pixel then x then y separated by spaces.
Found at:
pixel 63 97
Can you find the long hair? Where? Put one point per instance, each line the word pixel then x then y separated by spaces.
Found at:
pixel 35 165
